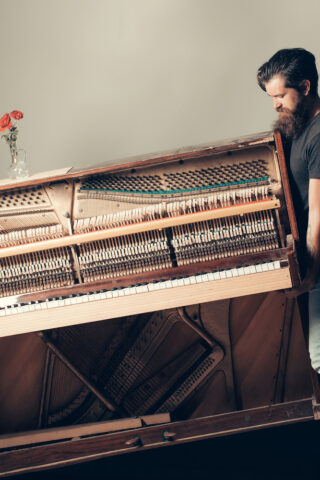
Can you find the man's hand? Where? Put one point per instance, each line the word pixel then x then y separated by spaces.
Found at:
pixel 312 243
pixel 306 285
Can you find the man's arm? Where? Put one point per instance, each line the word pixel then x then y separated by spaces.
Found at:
pixel 313 240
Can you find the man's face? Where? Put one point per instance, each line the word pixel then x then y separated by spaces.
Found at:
pixel 284 99
pixel 291 106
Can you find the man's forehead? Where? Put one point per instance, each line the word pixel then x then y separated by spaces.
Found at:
pixel 276 86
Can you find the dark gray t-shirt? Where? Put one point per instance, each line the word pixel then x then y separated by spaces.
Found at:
pixel 304 164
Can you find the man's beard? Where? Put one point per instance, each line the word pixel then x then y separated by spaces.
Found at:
pixel 291 124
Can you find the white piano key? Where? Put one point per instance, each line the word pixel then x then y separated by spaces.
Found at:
pixel 270 266
pixel 175 283
pixel 25 308
pixel 259 268
pixel 252 269
pixel 234 272
pixel 109 294
pixel 186 281
pixel 246 270
pixel 59 303
pixel 223 274
pixel 180 282
pixel 265 267
pixel 229 273
pixel 192 280
pixel 217 275
pixel 80 299
pixel 97 296
pixel 50 305
pixel 210 276
pixel 276 265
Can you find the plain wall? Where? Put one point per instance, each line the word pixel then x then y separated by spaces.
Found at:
pixel 99 80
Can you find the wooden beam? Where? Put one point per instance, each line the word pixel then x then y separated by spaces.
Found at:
pixel 286 186
pixel 76 431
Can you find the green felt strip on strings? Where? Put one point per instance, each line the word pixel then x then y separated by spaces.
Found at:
pixel 168 192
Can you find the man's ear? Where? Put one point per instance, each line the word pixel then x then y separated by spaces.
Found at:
pixel 305 87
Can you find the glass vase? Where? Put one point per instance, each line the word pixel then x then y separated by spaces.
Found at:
pixel 18 168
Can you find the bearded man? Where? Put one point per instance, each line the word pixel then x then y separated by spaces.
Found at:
pixel 290 78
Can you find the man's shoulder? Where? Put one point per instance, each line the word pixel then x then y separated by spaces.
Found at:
pixel 310 137
pixel 313 130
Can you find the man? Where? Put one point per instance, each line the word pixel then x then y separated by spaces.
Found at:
pixel 290 78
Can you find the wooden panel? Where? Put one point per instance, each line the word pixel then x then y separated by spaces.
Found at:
pixel 22 363
pixel 298 368
pixel 256 324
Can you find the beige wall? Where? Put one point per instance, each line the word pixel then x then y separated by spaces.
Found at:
pixel 103 79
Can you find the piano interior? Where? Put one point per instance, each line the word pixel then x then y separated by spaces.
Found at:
pixel 148 291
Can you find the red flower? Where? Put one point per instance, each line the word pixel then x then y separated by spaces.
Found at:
pixel 5 122
pixel 16 114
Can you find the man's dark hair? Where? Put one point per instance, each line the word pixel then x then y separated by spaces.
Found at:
pixel 295 65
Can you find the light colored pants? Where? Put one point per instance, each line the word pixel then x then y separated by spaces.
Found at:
pixel 314 326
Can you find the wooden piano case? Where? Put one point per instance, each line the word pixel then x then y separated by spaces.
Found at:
pixel 142 305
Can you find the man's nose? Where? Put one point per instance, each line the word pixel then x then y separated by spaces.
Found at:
pixel 276 104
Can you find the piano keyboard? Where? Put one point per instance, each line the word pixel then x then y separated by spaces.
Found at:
pixel 16 318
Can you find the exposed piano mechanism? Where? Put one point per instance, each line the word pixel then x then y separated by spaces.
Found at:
pixel 141 304
pixel 119 241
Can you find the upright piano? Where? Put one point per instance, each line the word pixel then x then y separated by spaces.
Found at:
pixel 142 304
